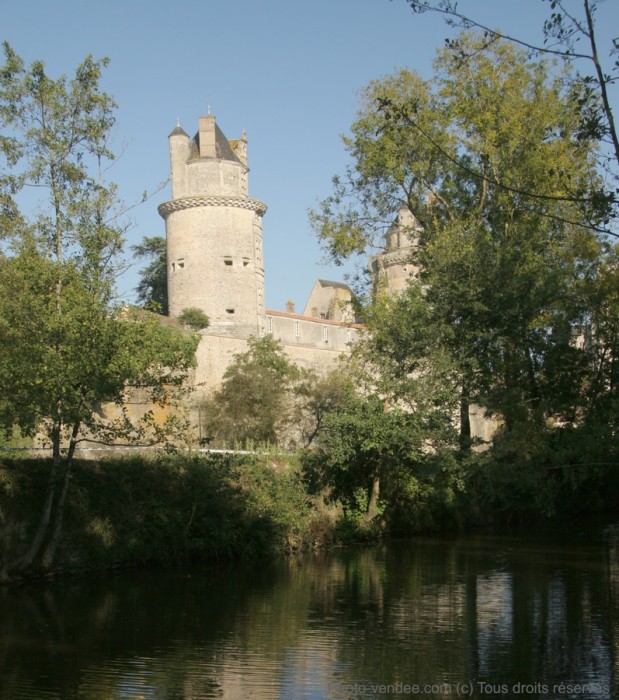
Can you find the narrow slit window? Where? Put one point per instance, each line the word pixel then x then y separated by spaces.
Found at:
pixel 325 334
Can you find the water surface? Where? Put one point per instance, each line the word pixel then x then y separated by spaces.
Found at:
pixel 482 617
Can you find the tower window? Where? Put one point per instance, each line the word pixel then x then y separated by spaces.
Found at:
pixel 181 263
pixel 245 262
pixel 228 262
pixel 229 311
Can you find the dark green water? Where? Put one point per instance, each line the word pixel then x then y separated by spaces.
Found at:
pixel 475 617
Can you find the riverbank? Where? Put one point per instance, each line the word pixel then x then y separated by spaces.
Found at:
pixel 176 509
pixel 169 509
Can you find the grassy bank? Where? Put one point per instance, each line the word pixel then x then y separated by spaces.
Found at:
pixel 131 511
pixel 173 509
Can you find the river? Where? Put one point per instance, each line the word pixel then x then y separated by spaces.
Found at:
pixel 483 617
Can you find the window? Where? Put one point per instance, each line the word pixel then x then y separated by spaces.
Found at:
pixel 269 325
pixel 245 262
pixel 229 311
pixel 181 263
pixel 297 329
pixel 228 262
pixel 325 334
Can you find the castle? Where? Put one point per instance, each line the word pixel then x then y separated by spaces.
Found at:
pixel 215 262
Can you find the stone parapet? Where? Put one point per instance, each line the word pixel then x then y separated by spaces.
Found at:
pixel 173 205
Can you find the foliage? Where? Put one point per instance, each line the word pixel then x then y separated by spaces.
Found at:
pixel 377 460
pixel 65 349
pixel 133 510
pixel 571 34
pixel 505 278
pixel 254 402
pixel 315 397
pixel 373 445
pixel 514 306
pixel 152 289
pixel 194 318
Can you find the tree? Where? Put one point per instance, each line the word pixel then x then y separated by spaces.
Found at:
pixel 153 286
pixel 571 35
pixel 373 445
pixel 318 395
pixel 254 402
pixel 65 348
pixel 504 275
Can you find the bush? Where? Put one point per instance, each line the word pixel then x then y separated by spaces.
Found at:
pixel 195 318
pixel 172 508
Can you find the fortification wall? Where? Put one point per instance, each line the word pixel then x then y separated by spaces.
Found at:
pixel 303 340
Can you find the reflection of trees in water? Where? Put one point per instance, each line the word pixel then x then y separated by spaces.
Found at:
pixel 613 589
pixel 419 612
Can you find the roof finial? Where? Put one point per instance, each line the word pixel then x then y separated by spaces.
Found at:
pixel 209 109
pixel 178 122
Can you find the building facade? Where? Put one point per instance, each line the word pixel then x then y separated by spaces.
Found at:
pixel 215 262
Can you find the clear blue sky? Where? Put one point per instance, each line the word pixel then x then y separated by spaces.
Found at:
pixel 287 71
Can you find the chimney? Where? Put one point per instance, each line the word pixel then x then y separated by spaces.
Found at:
pixel 207 138
pixel 290 306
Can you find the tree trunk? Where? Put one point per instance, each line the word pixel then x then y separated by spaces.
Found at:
pixel 373 496
pixel 50 550
pixel 465 419
pixel 39 537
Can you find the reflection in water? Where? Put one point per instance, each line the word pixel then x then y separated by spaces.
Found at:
pixel 495 617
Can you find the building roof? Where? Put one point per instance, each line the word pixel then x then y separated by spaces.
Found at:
pixel 336 285
pixel 314 319
pixel 179 131
pixel 222 147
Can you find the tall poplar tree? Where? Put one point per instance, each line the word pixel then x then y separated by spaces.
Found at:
pixel 66 348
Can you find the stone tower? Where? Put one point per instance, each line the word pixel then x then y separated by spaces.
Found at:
pixel 392 269
pixel 214 231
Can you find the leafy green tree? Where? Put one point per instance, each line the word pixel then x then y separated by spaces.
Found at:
pixel 504 274
pixel 152 289
pixel 372 446
pixel 254 402
pixel 65 349
pixel 318 395
pixel 571 34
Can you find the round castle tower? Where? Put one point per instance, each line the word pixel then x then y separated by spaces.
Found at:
pixel 214 231
pixel 392 269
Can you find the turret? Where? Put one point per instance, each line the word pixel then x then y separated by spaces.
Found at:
pixel 392 269
pixel 214 231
